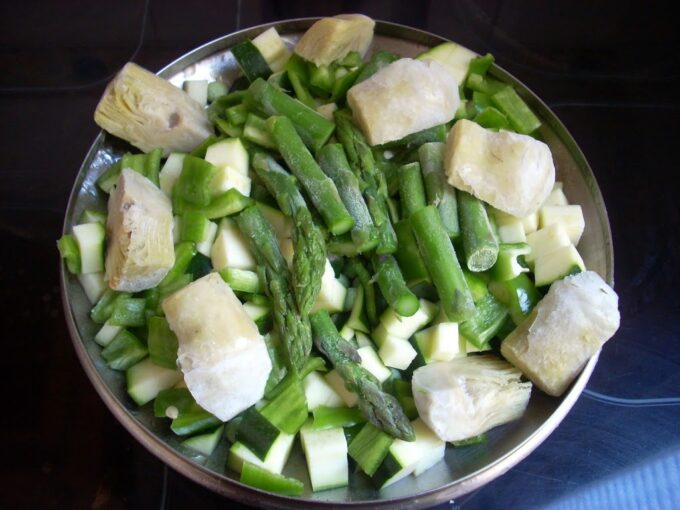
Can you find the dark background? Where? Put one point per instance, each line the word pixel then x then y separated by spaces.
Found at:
pixel 609 69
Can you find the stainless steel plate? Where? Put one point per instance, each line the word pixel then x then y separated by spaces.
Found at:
pixel 464 469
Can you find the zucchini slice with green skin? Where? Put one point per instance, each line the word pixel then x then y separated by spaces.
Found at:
pixel 251 61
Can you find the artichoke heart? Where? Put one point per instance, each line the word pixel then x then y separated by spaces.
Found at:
pixel 465 397
pixel 150 112
pixel 568 326
pixel 139 231
pixel 221 353
pixel 331 39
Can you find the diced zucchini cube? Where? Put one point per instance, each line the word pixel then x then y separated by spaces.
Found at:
pixel 229 153
pixel 556 196
pixel 230 249
pixel 512 232
pixel 371 362
pixel 397 352
pixel 405 327
pixel 440 342
pixel 546 240
pixel 363 339
pixel 557 264
pixel 569 216
pixel 205 246
pixel 90 240
pixel 146 379
pixel 93 284
pixel 332 294
pixel 319 392
pixel 326 455
pixel 227 178
pixel 274 461
pixel 197 90
pixel 431 446
pixel 170 172
pixel 335 381
pixel 530 223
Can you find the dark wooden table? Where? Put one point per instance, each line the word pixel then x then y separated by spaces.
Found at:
pixel 610 70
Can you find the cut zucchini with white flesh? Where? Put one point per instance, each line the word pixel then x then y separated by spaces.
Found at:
pixel 93 284
pixel 512 231
pixel 530 223
pixel 229 152
pixel 470 347
pixel 282 224
pixel 557 196
pixel 170 172
pixel 440 342
pixel 140 251
pixel 205 444
pixel 274 461
pixel 205 246
pixel 331 39
pixel 221 353
pixel 107 333
pixel 371 362
pixel 332 295
pixel 273 49
pixel 546 240
pixel 397 353
pixel 227 178
pixel 319 393
pixel 326 110
pixel 90 239
pixel 363 339
pixel 145 380
pixel 256 312
pixel 197 90
pixel 336 382
pixel 567 327
pixel 454 57
pixel 401 460
pixel 431 446
pixel 326 455
pixel 347 333
pixel 405 327
pixel 231 249
pixel 557 264
pixel 569 216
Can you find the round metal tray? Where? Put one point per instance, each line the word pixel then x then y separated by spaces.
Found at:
pixel 464 469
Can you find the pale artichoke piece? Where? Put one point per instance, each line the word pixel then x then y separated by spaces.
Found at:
pixel 514 173
pixel 221 353
pixel 140 248
pixel 402 98
pixel 465 397
pixel 150 112
pixel 568 326
pixel 331 39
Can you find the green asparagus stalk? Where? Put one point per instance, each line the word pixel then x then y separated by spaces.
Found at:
pixel 313 128
pixel 393 286
pixel 309 257
pixel 439 193
pixel 480 245
pixel 411 190
pixel 293 327
pixel 355 268
pixel 380 408
pixel 320 189
pixel 377 62
pixel 371 179
pixel 408 256
pixel 442 263
pixel 334 163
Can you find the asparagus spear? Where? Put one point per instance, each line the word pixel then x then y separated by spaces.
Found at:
pixel 408 256
pixel 321 190
pixel 411 190
pixel 380 408
pixel 312 127
pixel 309 258
pixel 480 245
pixel 293 327
pixel 370 177
pixel 442 263
pixel 334 163
pixel 439 193
pixel 393 286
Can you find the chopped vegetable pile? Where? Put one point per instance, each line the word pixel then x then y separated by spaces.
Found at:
pixel 370 254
